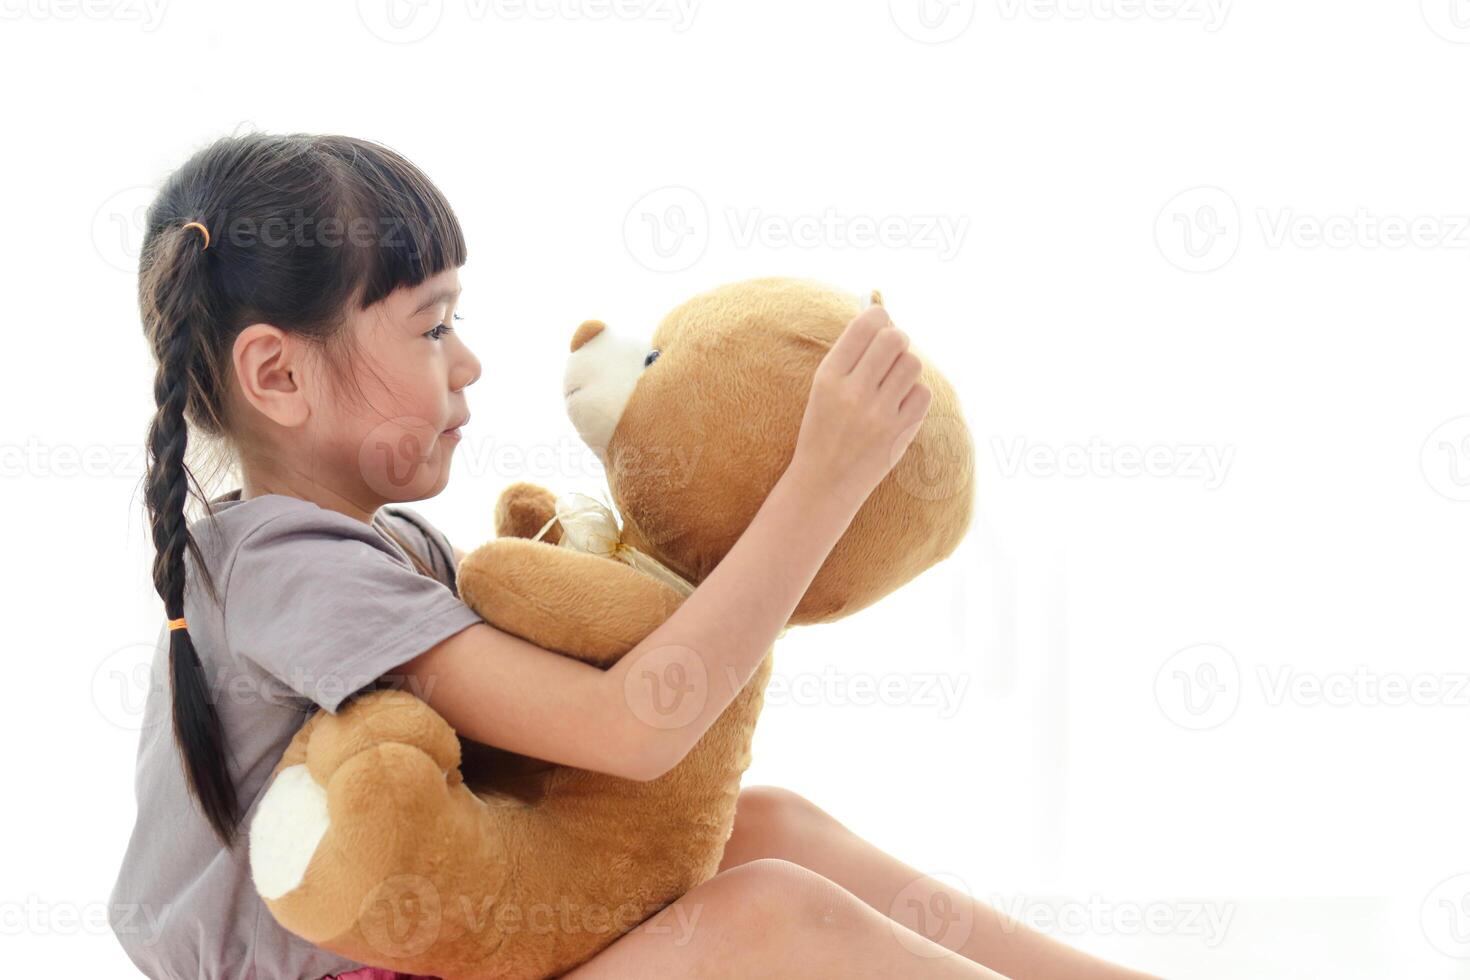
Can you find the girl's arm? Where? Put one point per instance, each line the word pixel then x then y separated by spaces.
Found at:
pixel 864 409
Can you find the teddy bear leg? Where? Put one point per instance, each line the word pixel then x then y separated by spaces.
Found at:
pixel 378 829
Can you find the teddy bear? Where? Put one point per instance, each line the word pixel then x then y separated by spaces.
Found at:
pixel 387 838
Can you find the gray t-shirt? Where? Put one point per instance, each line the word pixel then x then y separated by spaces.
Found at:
pixel 315 606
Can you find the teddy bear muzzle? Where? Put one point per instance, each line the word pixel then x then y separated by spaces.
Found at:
pixel 602 371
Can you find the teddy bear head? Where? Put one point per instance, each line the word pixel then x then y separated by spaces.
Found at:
pixel 695 426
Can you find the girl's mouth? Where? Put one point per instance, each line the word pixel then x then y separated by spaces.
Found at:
pixel 455 431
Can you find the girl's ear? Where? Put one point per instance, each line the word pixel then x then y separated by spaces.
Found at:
pixel 267 377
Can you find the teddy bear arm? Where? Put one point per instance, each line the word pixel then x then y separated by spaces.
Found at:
pixel 524 509
pixel 584 606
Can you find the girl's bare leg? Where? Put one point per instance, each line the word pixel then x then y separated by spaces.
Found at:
pixel 771 822
pixel 771 918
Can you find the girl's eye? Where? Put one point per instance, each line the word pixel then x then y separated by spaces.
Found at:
pixel 652 356
pixel 441 329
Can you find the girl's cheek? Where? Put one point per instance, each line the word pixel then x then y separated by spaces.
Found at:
pixel 399 459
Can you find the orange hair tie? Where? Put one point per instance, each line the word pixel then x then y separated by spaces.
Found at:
pixel 195 224
pixel 178 624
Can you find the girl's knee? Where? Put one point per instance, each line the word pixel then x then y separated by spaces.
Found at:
pixel 769 898
pixel 773 822
pixel 766 917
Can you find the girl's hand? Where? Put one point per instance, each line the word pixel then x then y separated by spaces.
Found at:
pixel 865 407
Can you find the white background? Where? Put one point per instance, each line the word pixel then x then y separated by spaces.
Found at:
pixel 1189 229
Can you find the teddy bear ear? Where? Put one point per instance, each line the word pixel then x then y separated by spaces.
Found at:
pixel 588 330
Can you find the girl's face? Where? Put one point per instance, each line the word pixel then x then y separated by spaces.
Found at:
pixel 412 368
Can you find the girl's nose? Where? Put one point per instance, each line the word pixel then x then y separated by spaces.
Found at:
pixel 467 371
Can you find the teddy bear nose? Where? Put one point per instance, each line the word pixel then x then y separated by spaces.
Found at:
pixel 586 332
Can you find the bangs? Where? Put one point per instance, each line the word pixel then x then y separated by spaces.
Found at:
pixel 408 230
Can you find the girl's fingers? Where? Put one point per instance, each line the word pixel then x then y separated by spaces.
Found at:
pixel 878 359
pixel 854 340
pixel 901 377
pixel 915 404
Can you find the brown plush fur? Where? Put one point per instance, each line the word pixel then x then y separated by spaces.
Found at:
pixel 448 858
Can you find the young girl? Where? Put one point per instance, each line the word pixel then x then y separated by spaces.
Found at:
pixel 298 294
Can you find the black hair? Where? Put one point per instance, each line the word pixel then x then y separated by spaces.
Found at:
pixel 301 228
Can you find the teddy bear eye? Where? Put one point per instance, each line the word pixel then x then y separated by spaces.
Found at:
pixel 652 356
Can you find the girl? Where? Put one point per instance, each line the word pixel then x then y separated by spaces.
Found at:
pixel 298 294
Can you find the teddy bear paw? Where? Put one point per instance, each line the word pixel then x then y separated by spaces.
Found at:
pixel 381 717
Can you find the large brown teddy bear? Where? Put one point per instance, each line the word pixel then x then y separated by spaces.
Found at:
pixel 388 839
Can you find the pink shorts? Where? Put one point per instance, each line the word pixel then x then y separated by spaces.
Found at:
pixel 375 973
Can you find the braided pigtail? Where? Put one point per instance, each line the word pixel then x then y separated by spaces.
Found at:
pixel 172 299
pixel 250 231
